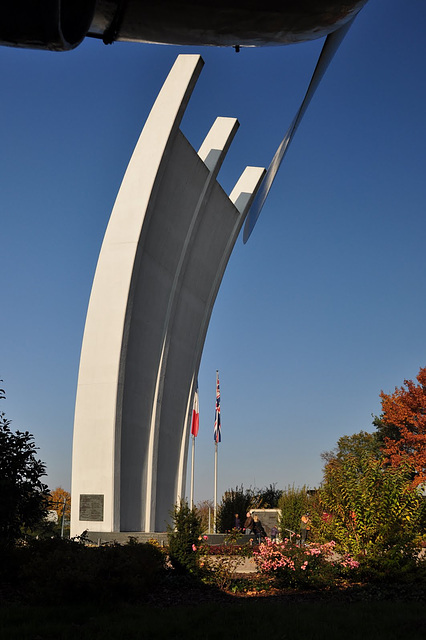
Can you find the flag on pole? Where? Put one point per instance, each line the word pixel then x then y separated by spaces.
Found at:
pixel 195 425
pixel 217 432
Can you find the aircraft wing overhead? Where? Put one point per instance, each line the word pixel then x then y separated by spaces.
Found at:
pixel 61 25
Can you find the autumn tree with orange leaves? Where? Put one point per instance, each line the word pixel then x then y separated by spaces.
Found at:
pixel 402 426
pixel 56 502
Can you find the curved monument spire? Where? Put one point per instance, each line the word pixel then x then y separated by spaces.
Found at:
pixel 168 241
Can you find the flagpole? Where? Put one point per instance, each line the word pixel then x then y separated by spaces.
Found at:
pixel 195 423
pixel 215 488
pixel 217 438
pixel 191 499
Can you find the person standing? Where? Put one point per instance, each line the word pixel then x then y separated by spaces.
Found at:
pixel 274 533
pixel 304 528
pixel 249 523
pixel 259 531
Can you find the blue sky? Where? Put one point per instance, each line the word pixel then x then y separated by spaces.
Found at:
pixel 324 306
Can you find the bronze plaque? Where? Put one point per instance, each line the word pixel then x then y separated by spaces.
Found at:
pixel 91 507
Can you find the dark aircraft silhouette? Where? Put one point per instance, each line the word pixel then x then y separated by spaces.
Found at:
pixel 60 25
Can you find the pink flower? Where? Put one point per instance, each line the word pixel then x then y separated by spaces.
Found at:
pixel 205 537
pixel 194 548
pixel 349 563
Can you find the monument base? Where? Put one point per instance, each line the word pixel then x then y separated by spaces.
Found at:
pixel 122 537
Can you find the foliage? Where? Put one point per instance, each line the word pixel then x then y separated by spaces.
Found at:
pixel 233 501
pixel 359 446
pixel 205 508
pixel 384 431
pixel 218 563
pixel 301 566
pixel 241 501
pixel 293 503
pixel 56 502
pixel 402 426
pixel 243 550
pixel 184 538
pixel 267 498
pixel 364 503
pixel 393 565
pixel 219 570
pixel 56 570
pixel 233 536
pixel 22 493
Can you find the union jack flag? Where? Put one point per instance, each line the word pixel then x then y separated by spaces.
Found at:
pixel 217 431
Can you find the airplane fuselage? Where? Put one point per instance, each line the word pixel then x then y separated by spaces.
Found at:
pixel 62 24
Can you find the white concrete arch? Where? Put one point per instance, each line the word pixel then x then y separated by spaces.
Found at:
pixel 169 238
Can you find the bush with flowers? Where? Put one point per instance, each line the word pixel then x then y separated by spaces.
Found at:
pixel 302 566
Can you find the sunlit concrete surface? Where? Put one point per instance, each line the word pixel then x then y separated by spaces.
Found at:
pixel 168 241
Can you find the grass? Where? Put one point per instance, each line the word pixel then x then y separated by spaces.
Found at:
pixel 261 618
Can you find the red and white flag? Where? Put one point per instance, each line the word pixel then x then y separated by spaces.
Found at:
pixel 195 415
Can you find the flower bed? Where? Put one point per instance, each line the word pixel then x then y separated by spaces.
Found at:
pixel 311 565
pixel 242 550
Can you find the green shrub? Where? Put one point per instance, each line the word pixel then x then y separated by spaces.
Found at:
pixel 393 565
pixel 294 502
pixel 369 504
pixel 220 570
pixel 63 571
pixel 184 538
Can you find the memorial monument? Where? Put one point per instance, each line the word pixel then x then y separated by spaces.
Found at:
pixel 168 241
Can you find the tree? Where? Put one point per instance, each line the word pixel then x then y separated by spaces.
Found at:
pixel 205 509
pixel 234 501
pixel 402 426
pixel 56 501
pixel 268 497
pixel 359 445
pixel 60 502
pixel 184 538
pixel 23 495
pixel 367 503
pixel 240 500
pixel 294 502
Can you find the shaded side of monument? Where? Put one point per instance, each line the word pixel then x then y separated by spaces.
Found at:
pixel 168 241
